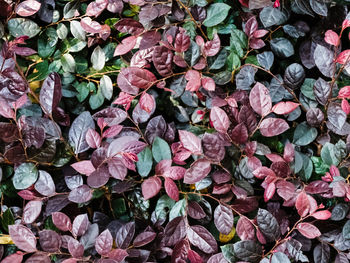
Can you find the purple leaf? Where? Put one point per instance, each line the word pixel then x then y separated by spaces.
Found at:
pixel 220 119
pixel 245 229
pixel 260 99
pixel 5 109
pixel 23 238
pixel 81 194
pixel 61 221
pixel 93 138
pixel 125 46
pixel 198 170
pixel 191 142
pixel 211 48
pixel 80 225
pixel 90 26
pixel 28 8
pixel 202 238
pixel 162 60
pixel 130 26
pixel 151 187
pixel 195 211
pixel 99 177
pixel 50 93
pixel 125 234
pixel 171 189
pixel 131 79
pixel 45 185
pixel 49 240
pixel 223 219
pixel 273 126
pixel 75 248
pixel 174 231
pixel 84 167
pixel 96 7
pixel 182 42
pixel 144 238
pixel 31 211
pixel 38 257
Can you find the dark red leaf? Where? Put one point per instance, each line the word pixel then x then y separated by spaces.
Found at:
pixel 302 204
pixel 131 79
pixel 144 238
pixel 182 41
pixel 61 221
pixel 171 189
pixel 245 229
pixel 202 238
pixel 162 60
pixel 211 48
pixel 193 78
pixel 128 25
pixel 31 211
pixel 194 257
pixel 147 102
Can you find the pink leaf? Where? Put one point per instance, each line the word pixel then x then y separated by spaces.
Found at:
pixel 260 33
pixel 288 153
pixel 14 258
pixel 131 79
pixel 194 80
pixel 198 170
pixel 256 43
pixel 190 141
pixel 194 257
pixel 208 84
pixel 175 172
pixel 260 99
pixel 322 215
pixel 26 195
pixel 182 41
pixel 104 242
pixel 93 139
pixel 302 204
pixel 31 211
pixel 273 126
pixel 21 101
pixel 130 26
pixel 251 26
pixel 284 107
pixel 90 26
pixel 96 7
pixel 5 109
pixel 220 119
pixel 23 238
pixel 269 192
pixel 75 248
pixel 345 106
pixel 308 230
pixel 84 167
pixel 112 131
pixel 151 187
pixel 245 229
pixel 331 38
pixel 346 24
pixel 263 172
pixel 147 102
pixel 344 92
pixel 126 45
pixel 343 57
pixel 171 189
pixel 61 221
pixel 28 8
pixel 211 48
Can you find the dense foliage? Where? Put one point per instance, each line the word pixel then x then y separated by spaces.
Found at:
pixel 174 131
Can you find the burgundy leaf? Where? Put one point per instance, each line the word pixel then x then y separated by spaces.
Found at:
pixel 208 83
pixel 202 238
pixel 195 211
pixel 90 26
pixel 245 229
pixel 273 126
pixel 260 99
pixel 150 39
pixel 84 167
pixel 81 194
pixel 180 252
pixel 28 8
pixel 162 60
pixel 49 240
pixel 194 257
pixel 151 187
pixel 263 172
pixel 251 26
pixel 23 238
pixel 127 45
pixel 144 238
pixel 240 134
pixel 99 177
pixel 16 257
pixel 93 138
pixel 174 231
pixel 118 254
pixel 112 131
pixel 220 119
pixel 142 58
pixel 130 26
pixel 193 78
pixel 61 221
pixel 131 79
pixel 104 243
pixel 191 142
pixel 75 248
pixel 175 172
pixel 269 191
pixel 308 230
pixel 31 211
pixel 147 102
pixel 198 170
pixel 182 41
pixel 211 48
pixel 125 234
pixel 223 219
pixel 302 204
pixel 5 110
pixel 171 189
pixel 284 107
pixel 117 169
pixel 256 43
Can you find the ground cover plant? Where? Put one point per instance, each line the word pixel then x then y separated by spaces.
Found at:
pixel 174 131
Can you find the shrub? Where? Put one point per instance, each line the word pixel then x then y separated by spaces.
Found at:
pixel 176 131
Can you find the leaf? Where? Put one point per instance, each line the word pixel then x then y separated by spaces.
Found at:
pixel 171 189
pixel 324 60
pixel 124 235
pixel 23 238
pixel 160 150
pixel 68 63
pixel 216 13
pixel 130 26
pixel 248 250
pixel 23 27
pixel 75 248
pixel 61 221
pixel 96 7
pixel 268 224
pixel 49 240
pixel 198 170
pixel 223 219
pixel 84 167
pixel 147 102
pixel 174 231
pixel 202 238
pixel 343 57
pixel 104 242
pixel 5 110
pixel 260 99
pixel 266 59
pixel 271 16
pixel 308 230
pixel 145 162
pixel 162 60
pixel 302 204
pixel 322 91
pixel 98 58
pixel 211 48
pixel 25 175
pixel 51 93
pixel 284 107
pixel 144 238
pixel 331 38
pixel 78 130
pixel 106 87
pixel 273 126
pixel 31 211
pixel 28 8
pixel 322 215
pixel 304 134
pixel 321 253
pixel 220 119
pixel 282 47
pixel 80 194
pixel 131 79
pixel 93 138
pixel 294 75
pixel 193 78
pixel 191 142
pixel 151 187
pixel 279 257
pixel 245 229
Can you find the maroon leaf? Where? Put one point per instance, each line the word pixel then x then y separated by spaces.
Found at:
pixel 104 243
pixel 75 248
pixel 308 230
pixel 284 107
pixel 194 257
pixel 198 170
pixel 118 254
pixel 96 7
pixel 51 93
pixel 191 142
pixel 49 240
pixel 84 167
pixel 302 204
pixel 16 257
pixel 193 78
pixel 151 187
pixel 127 45
pixel 175 172
pixel 39 257
pixel 125 234
pixel 269 191
pixel 23 238
pixel 144 238
pixel 93 138
pixel 174 231
pixel 256 43
pixel 273 126
pixel 147 102
pixel 128 25
pixel 131 79
pixel 202 238
pixel 260 99
pixel 182 41
pixel 263 172
pixel 5 110
pixel 208 83
pixel 245 229
pixel 81 194
pixel 28 8
pixel 142 58
pixel 61 221
pixel 180 252
pixel 171 189
pixel 288 153
pixel 223 219
pixel 117 169
pixel 211 48
pixel 162 60
pixel 112 131
pixel 150 39
pixel 220 119
pixel 251 26
pixel 240 134
pixel 31 211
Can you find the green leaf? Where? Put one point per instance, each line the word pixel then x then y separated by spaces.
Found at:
pixel 76 45
pixel 81 64
pixel 83 91
pixel 119 206
pixel 238 42
pixel 304 134
pixel 306 171
pixel 96 100
pixel 25 175
pixel 328 154
pixel 23 27
pixel 98 58
pixel 282 47
pixel 179 209
pixel 68 63
pixel 164 205
pixel 144 164
pixel 62 31
pixel 320 167
pixel 77 31
pixel 106 87
pixel 7 219
pixel 308 88
pixel 346 230
pixel 233 62
pixel 160 150
pixel 44 48
pixel 42 71
pixel 216 13
pixel 228 252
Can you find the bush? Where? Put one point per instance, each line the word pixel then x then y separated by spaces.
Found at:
pixel 176 131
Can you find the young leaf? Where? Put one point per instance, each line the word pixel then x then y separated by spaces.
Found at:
pixel 220 119
pixel 104 243
pixel 260 99
pixel 191 142
pixel 308 230
pixel 151 187
pixel 273 126
pixel 282 107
